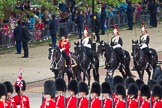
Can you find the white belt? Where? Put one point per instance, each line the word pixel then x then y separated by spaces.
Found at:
pixel 117 46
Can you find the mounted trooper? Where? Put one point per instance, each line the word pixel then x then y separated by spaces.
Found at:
pixel 144 41
pixel 116 43
pixel 87 44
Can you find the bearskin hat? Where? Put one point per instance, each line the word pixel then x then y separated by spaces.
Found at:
pixel 95 88
pixel 9 86
pixel 139 83
pixel 73 86
pixel 83 87
pixel 3 90
pixel 120 90
pixel 128 81
pixel 117 80
pixel 106 88
pixel 60 84
pixel 156 91
pixel 151 83
pixel 49 88
pixel 133 90
pixel 145 91
pixel 17 88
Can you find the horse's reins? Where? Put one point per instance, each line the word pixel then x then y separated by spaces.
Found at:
pixel 54 59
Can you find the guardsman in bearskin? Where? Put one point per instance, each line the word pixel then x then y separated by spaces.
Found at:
pixel 71 101
pixel 10 99
pixel 151 83
pixel 64 46
pixel 83 92
pixel 21 100
pixel 156 92
pixel 116 43
pixel 95 92
pixel 145 93
pixel 60 88
pixel 139 83
pixel 132 95
pixel 3 92
pixel 116 80
pixel 106 92
pixel 49 94
pixel 120 92
pixel 128 81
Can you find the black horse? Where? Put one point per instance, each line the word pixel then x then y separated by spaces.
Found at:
pixel 59 64
pixel 112 61
pixel 142 61
pixel 85 63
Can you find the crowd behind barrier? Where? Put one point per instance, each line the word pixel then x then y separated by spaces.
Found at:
pixel 7 40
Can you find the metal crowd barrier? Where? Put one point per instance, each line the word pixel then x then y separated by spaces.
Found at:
pixel 6 41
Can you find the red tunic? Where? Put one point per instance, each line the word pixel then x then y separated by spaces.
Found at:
pixel 39 26
pixel 120 104
pixel 60 101
pixel 48 104
pixel 107 103
pixel 157 104
pixel 71 102
pixel 12 102
pixel 83 103
pixel 133 103
pixel 66 45
pixel 145 104
pixel 23 101
pixel 115 97
pixel 95 103
pixel 4 104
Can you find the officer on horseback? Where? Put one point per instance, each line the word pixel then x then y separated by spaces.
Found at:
pixel 116 43
pixel 64 46
pixel 87 43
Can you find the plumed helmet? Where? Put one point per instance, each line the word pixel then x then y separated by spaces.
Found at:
pixel 49 88
pixel 120 90
pixel 106 88
pixel 9 86
pixel 156 91
pixel 73 86
pixel 95 88
pixel 128 81
pixel 117 80
pixel 3 90
pixel 60 84
pixel 83 87
pixel 23 88
pixel 133 90
pixel 139 83
pixel 151 83
pixel 145 91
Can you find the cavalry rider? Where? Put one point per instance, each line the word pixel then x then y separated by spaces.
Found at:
pixel 64 46
pixel 116 43
pixel 144 40
pixel 87 43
